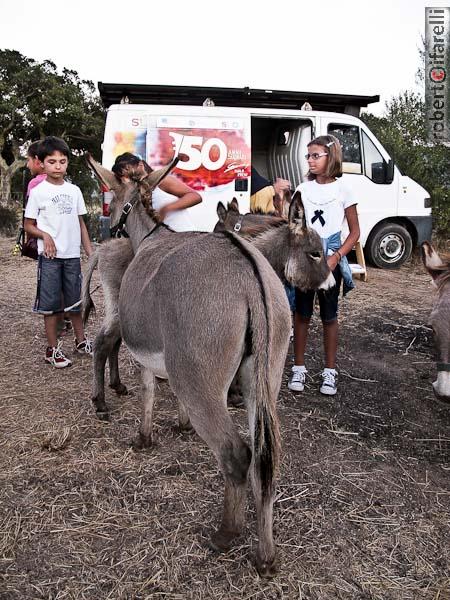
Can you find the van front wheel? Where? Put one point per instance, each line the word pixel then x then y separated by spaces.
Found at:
pixel 389 246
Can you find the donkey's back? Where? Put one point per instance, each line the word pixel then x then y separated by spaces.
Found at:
pixel 199 299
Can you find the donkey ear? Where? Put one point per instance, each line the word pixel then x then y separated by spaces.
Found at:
pixel 234 205
pixel 221 212
pixel 105 176
pixel 431 260
pixel 297 211
pixel 155 177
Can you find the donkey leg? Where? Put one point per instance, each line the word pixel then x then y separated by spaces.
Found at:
pixel 213 424
pixel 101 351
pixel 114 377
pixel 238 461
pixel 184 422
pixel 144 438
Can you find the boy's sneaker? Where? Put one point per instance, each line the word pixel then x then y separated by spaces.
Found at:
pixel 56 358
pixel 297 381
pixel 329 382
pixel 84 347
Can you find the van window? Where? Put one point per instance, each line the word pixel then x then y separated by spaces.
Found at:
pixel 374 163
pixel 348 135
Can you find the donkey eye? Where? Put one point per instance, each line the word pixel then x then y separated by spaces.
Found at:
pixel 314 255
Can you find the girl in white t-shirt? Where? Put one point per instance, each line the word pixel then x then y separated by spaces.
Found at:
pixel 171 199
pixel 327 202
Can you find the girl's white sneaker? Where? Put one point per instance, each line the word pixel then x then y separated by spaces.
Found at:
pixel 297 381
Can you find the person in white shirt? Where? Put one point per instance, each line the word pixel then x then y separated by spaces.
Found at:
pixel 327 202
pixel 54 215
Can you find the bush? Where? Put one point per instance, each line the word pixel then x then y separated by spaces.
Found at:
pixel 402 132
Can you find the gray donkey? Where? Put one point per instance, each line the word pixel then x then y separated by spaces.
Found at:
pixel 196 309
pixel 439 269
pixel 294 251
pixel 196 312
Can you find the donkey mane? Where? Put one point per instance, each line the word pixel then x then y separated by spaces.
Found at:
pixel 260 228
pixel 259 225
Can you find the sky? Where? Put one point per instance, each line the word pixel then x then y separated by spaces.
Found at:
pixel 346 46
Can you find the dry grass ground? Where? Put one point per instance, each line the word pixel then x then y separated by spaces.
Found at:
pixel 362 510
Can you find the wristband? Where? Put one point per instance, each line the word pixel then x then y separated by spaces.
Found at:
pixel 339 254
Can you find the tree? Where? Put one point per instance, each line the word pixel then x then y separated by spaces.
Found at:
pixel 36 100
pixel 402 131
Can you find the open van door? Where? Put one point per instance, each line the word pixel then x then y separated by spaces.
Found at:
pixel 279 146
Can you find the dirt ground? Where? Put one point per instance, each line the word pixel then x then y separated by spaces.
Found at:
pixel 363 503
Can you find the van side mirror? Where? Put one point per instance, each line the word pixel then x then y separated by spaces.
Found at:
pixel 379 172
pixel 389 178
pixel 382 172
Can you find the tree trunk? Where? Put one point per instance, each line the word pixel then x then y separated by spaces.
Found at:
pixel 5 186
pixel 6 175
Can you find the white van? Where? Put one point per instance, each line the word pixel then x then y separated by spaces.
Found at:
pixel 222 142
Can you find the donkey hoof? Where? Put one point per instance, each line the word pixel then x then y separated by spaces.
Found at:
pixel 267 568
pixel 222 540
pixel 120 389
pixel 99 404
pixel 141 442
pixel 102 415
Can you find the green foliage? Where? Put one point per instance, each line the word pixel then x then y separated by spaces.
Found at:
pixel 36 100
pixel 402 131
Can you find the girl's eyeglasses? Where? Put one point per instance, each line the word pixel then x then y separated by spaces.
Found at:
pixel 315 155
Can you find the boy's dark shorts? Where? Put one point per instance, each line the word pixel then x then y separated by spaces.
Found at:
pixel 58 285
pixel 328 300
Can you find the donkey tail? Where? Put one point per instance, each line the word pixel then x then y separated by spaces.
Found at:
pixel 86 300
pixel 266 430
pixel 266 435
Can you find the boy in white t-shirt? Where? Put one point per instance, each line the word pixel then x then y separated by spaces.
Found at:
pixel 54 216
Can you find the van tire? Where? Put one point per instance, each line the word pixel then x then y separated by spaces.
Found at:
pixel 389 246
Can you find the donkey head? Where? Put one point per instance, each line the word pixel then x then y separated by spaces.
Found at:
pixel 439 269
pixel 138 189
pixel 291 248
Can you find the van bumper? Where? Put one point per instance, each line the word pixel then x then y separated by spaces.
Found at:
pixel 105 224
pixel 424 226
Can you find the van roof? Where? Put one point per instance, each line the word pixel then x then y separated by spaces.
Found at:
pixel 117 93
